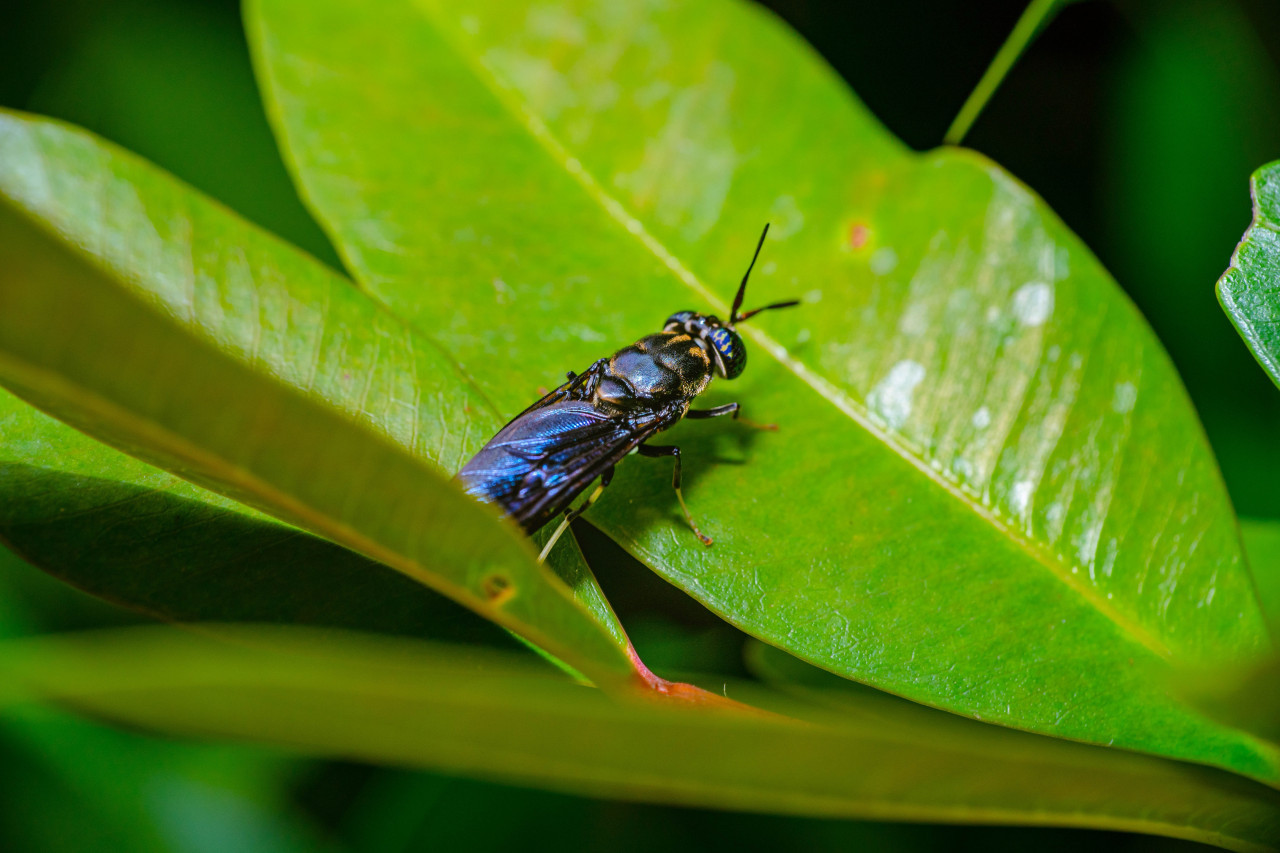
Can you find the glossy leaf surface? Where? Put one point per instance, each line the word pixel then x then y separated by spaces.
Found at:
pixel 989 492
pixel 1250 290
pixel 157 321
pixel 390 702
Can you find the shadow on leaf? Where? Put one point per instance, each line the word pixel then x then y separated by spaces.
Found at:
pixel 184 560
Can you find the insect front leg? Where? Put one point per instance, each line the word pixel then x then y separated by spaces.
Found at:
pixel 728 409
pixel 654 451
pixel 571 514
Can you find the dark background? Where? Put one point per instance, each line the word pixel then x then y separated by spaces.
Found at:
pixel 1139 121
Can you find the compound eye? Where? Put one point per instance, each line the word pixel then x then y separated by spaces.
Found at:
pixel 731 352
pixel 677 321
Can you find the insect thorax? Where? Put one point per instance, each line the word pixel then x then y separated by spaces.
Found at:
pixel 661 367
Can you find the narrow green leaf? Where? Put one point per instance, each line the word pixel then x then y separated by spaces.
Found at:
pixel 989 493
pixel 392 702
pixel 1034 19
pixel 1250 288
pixel 153 319
pixel 137 536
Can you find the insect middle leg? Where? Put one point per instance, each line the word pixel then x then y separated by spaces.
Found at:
pixel 728 409
pixel 654 451
pixel 571 514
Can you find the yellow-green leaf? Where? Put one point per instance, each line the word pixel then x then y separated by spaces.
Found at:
pixel 487 715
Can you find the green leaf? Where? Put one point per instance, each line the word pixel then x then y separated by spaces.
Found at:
pixel 1262 544
pixel 1250 289
pixel 989 493
pixel 138 311
pixel 142 538
pixel 410 704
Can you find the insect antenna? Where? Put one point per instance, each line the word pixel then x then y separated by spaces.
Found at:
pixel 734 316
pixel 742 288
pixel 790 303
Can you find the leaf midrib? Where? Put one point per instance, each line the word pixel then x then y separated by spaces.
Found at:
pixel 508 96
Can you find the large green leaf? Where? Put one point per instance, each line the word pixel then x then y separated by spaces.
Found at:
pixel 989 492
pixel 152 318
pixel 392 702
pixel 1250 289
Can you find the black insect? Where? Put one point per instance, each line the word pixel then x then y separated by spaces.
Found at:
pixel 549 453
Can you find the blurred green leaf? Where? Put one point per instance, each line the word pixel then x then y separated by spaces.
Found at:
pixel 152 318
pixel 989 493
pixel 14 618
pixel 1247 698
pixel 1262 544
pixel 131 793
pixel 1250 289
pixel 409 704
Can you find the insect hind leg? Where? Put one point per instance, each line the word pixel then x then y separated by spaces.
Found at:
pixel 655 451
pixel 571 514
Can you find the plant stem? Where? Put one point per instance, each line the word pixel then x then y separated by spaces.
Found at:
pixel 1028 26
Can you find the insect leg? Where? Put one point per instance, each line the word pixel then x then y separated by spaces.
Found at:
pixel 653 451
pixel 728 409
pixel 571 514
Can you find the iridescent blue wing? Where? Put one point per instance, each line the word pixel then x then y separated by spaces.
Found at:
pixel 548 455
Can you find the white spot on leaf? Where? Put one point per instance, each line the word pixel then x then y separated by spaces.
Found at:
pixel 1124 398
pixel 1033 303
pixel 914 321
pixel 884 261
pixel 891 398
pixel 1020 496
pixel 785 217
pixel 981 419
